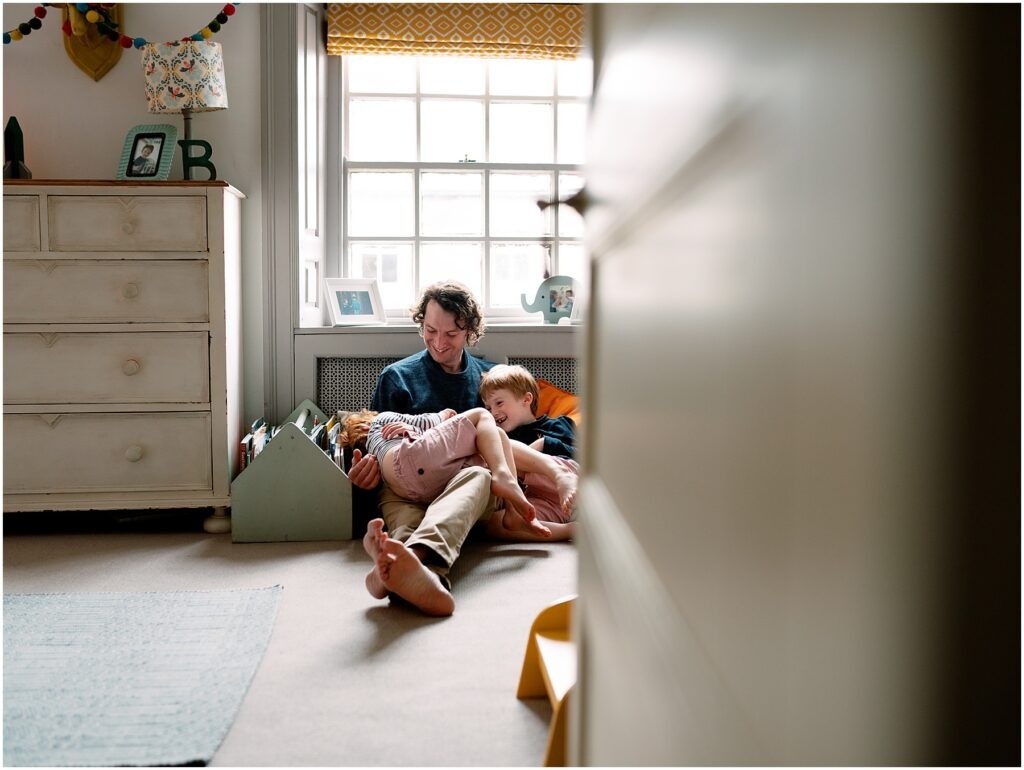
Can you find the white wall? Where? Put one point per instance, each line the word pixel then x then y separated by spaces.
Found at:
pixel 74 127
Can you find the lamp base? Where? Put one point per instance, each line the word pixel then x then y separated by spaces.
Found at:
pixel 186 118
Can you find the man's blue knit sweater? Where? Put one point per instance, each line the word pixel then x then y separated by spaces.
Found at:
pixel 418 384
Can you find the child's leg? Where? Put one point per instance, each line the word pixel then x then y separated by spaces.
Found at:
pixel 495 447
pixel 529 460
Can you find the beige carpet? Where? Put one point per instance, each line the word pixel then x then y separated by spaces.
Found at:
pixel 346 680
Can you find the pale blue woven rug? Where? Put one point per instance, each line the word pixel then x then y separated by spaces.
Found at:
pixel 106 679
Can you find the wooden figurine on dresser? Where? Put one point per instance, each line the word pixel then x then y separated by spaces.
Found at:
pixel 122 357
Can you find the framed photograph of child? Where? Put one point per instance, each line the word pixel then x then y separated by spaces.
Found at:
pixel 148 153
pixel 352 301
pixel 554 298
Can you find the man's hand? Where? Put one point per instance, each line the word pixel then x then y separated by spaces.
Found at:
pixel 364 473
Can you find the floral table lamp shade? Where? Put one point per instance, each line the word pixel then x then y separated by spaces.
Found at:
pixel 186 77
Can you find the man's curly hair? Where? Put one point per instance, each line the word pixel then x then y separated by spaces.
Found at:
pixel 456 299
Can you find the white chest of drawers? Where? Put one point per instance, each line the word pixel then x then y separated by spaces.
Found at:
pixel 122 364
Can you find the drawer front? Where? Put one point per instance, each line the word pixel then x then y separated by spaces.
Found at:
pixel 21 223
pixel 106 368
pixel 127 223
pixel 99 452
pixel 85 291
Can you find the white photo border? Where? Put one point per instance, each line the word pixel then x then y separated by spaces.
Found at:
pixel 336 288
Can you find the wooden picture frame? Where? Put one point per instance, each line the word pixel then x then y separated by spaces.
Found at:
pixel 148 153
pixel 353 301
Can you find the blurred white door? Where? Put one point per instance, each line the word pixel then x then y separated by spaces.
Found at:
pixel 800 537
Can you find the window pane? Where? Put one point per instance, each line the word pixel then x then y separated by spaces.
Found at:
pixel 451 75
pixel 380 203
pixel 521 133
pixel 575 78
pixel 572 132
pixel 452 261
pixel 390 264
pixel 572 261
pixel 516 269
pixel 570 223
pixel 452 130
pixel 382 129
pixel 522 77
pixel 453 203
pixel 381 74
pixel 417 211
pixel 514 209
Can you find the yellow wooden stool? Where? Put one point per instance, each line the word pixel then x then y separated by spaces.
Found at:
pixel 549 668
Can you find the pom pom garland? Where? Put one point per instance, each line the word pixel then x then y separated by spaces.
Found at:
pixel 98 14
pixel 26 27
pixel 109 28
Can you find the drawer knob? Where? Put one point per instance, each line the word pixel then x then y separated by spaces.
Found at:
pixel 130 367
pixel 133 453
pixel 128 228
pixel 130 291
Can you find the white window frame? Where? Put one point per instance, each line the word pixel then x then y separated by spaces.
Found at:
pixel 553 241
pixel 292 341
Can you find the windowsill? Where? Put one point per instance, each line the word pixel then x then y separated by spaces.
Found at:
pixel 393 327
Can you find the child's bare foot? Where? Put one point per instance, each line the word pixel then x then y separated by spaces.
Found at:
pixel 507 488
pixel 404 574
pixel 373 541
pixel 566 483
pixel 513 522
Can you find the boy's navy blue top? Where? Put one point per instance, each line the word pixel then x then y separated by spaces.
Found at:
pixel 559 435
pixel 418 384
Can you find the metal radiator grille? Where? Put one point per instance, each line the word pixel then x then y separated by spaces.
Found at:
pixel 560 372
pixel 347 382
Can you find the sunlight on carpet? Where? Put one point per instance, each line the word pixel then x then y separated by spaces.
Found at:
pixel 104 679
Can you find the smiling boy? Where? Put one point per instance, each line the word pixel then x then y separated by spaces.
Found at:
pixel 510 394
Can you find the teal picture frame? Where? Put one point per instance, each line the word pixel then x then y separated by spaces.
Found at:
pixel 148 153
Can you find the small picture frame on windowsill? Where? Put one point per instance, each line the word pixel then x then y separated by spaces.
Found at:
pixel 578 306
pixel 354 301
pixel 148 153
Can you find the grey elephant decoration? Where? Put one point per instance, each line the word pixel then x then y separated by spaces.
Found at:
pixel 554 298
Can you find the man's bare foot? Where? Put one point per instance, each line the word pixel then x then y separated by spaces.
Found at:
pixel 373 540
pixel 404 574
pixel 375 584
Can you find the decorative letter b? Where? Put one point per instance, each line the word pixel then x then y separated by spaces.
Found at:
pixel 188 161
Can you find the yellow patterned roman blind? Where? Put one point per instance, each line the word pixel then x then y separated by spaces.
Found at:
pixel 519 30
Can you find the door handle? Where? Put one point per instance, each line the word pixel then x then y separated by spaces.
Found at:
pixel 578 202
